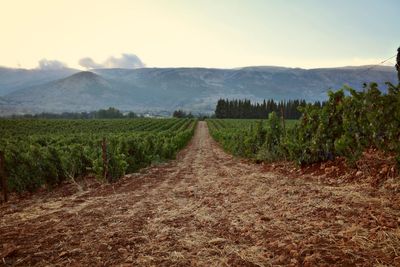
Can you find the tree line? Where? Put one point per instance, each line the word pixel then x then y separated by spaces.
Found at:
pixel 182 114
pixel 110 113
pixel 244 109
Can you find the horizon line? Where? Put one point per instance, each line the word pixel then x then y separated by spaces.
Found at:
pixel 198 67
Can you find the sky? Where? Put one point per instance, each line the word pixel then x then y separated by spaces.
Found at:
pixel 197 33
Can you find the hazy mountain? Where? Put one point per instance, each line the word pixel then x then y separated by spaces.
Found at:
pixel 3 101
pixel 14 79
pixel 195 89
pixel 80 92
pixel 8 107
pixel 199 88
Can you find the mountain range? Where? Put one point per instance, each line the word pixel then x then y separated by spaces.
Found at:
pixel 167 89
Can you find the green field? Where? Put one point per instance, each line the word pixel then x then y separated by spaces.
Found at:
pixel 36 127
pixel 245 137
pixel 47 152
pixel 242 123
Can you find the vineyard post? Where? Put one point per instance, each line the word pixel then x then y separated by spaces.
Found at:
pixel 104 154
pixel 3 176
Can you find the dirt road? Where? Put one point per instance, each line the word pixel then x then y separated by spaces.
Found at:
pixel 205 209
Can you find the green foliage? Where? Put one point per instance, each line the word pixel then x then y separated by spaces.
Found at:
pixel 110 113
pixel 181 114
pixel 131 115
pixel 249 138
pixel 271 149
pixel 47 152
pixel 315 136
pixel 27 170
pixel 347 124
pixel 116 161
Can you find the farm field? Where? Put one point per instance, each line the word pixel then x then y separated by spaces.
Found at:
pixel 206 208
pixel 242 137
pixel 200 133
pixel 243 123
pixel 45 153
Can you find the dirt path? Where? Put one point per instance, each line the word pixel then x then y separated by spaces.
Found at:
pixel 205 209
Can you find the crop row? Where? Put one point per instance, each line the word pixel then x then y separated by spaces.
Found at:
pixel 72 149
pixel 29 127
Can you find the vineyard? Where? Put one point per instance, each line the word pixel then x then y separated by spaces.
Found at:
pixel 349 123
pixel 244 137
pixel 47 152
pixel 207 207
pixel 44 153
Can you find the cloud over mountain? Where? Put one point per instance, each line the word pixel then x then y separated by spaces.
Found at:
pixel 45 64
pixel 89 63
pixel 125 61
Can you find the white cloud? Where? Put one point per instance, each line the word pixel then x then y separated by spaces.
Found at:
pixel 126 61
pixel 45 64
pixel 89 63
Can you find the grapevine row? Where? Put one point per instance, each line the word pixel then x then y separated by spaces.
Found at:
pixel 348 124
pixel 72 149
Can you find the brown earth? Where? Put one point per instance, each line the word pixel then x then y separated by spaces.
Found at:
pixel 205 209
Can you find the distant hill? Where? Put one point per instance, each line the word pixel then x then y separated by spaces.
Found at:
pixel 14 79
pixel 167 89
pixel 80 92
